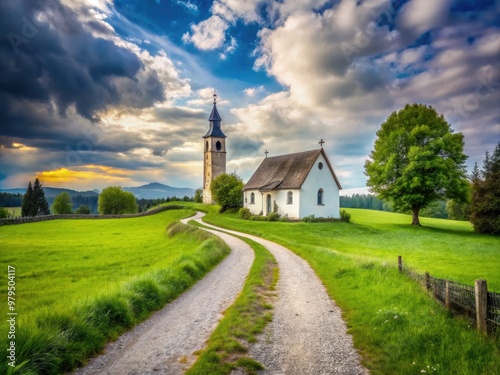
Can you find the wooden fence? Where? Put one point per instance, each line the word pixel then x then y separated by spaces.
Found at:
pixel 34 219
pixel 474 303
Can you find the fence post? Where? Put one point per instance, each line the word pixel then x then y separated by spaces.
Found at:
pixel 447 295
pixel 481 305
pixel 400 264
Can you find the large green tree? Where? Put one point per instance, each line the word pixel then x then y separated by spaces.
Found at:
pixel 417 159
pixel 485 200
pixel 227 191
pixel 62 204
pixel 113 200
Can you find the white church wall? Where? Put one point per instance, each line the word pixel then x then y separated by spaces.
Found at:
pixel 315 180
pixel 256 207
pixel 291 210
pixel 281 198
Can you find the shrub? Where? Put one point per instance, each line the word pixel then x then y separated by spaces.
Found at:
pixel 245 213
pixel 3 213
pixel 83 210
pixel 273 216
pixel 345 216
pixel 309 219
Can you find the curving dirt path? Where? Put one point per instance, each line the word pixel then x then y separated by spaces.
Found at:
pixel 307 334
pixel 164 344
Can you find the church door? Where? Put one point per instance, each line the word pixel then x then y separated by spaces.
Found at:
pixel 269 207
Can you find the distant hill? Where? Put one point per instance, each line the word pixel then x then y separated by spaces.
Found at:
pixel 156 190
pixel 51 192
pixel 153 190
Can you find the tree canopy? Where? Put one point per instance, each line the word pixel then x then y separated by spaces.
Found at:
pixel 417 159
pixel 485 200
pixel 62 204
pixel 113 200
pixel 227 191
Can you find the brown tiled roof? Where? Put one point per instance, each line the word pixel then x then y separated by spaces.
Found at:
pixel 286 171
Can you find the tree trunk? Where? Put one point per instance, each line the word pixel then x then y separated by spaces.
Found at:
pixel 414 219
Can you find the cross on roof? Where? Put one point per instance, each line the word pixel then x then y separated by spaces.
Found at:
pixel 215 97
pixel 321 142
pixel 267 152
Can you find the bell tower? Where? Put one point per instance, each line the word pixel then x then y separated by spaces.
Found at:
pixel 214 155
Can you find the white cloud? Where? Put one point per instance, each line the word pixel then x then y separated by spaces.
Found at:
pixel 419 16
pixel 252 91
pixel 188 5
pixel 208 34
pixel 204 97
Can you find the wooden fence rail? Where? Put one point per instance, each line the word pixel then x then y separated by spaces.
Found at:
pixel 472 302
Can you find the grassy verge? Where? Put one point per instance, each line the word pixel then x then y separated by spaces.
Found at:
pixel 52 341
pixel 246 318
pixel 396 327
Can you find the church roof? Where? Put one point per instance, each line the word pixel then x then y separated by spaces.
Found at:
pixel 215 120
pixel 286 171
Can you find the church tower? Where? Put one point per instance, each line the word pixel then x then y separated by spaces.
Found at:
pixel 214 156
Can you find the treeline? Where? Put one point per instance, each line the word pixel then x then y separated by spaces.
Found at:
pixel 440 209
pixel 90 202
pixel 11 200
pixel 366 201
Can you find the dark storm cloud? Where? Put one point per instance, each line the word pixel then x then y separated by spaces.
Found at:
pixel 50 60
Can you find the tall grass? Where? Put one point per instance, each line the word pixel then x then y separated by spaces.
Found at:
pixel 396 326
pixel 53 341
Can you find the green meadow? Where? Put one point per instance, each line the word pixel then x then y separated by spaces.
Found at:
pixel 14 211
pixel 80 283
pixel 444 248
pixel 396 326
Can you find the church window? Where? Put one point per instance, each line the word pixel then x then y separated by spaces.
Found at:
pixel 252 198
pixel 218 146
pixel 320 165
pixel 320 197
pixel 206 146
pixel 289 198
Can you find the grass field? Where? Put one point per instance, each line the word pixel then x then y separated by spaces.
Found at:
pixel 82 282
pixel 444 248
pixel 14 211
pixel 396 326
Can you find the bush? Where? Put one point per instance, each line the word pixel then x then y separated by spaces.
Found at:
pixel 245 213
pixel 345 216
pixel 273 216
pixel 309 219
pixel 4 213
pixel 83 210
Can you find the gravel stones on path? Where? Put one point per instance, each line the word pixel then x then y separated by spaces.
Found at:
pixel 307 335
pixel 164 344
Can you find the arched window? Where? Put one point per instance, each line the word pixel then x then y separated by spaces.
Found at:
pixel 252 198
pixel 289 198
pixel 320 197
pixel 218 146
pixel 206 146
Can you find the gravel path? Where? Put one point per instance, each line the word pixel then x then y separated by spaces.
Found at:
pixel 171 335
pixel 307 334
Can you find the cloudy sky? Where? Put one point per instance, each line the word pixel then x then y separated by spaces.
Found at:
pixel 101 92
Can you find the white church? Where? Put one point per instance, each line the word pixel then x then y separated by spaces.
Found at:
pixel 301 184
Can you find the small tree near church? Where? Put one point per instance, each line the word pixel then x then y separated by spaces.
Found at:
pixel 227 191
pixel 417 159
